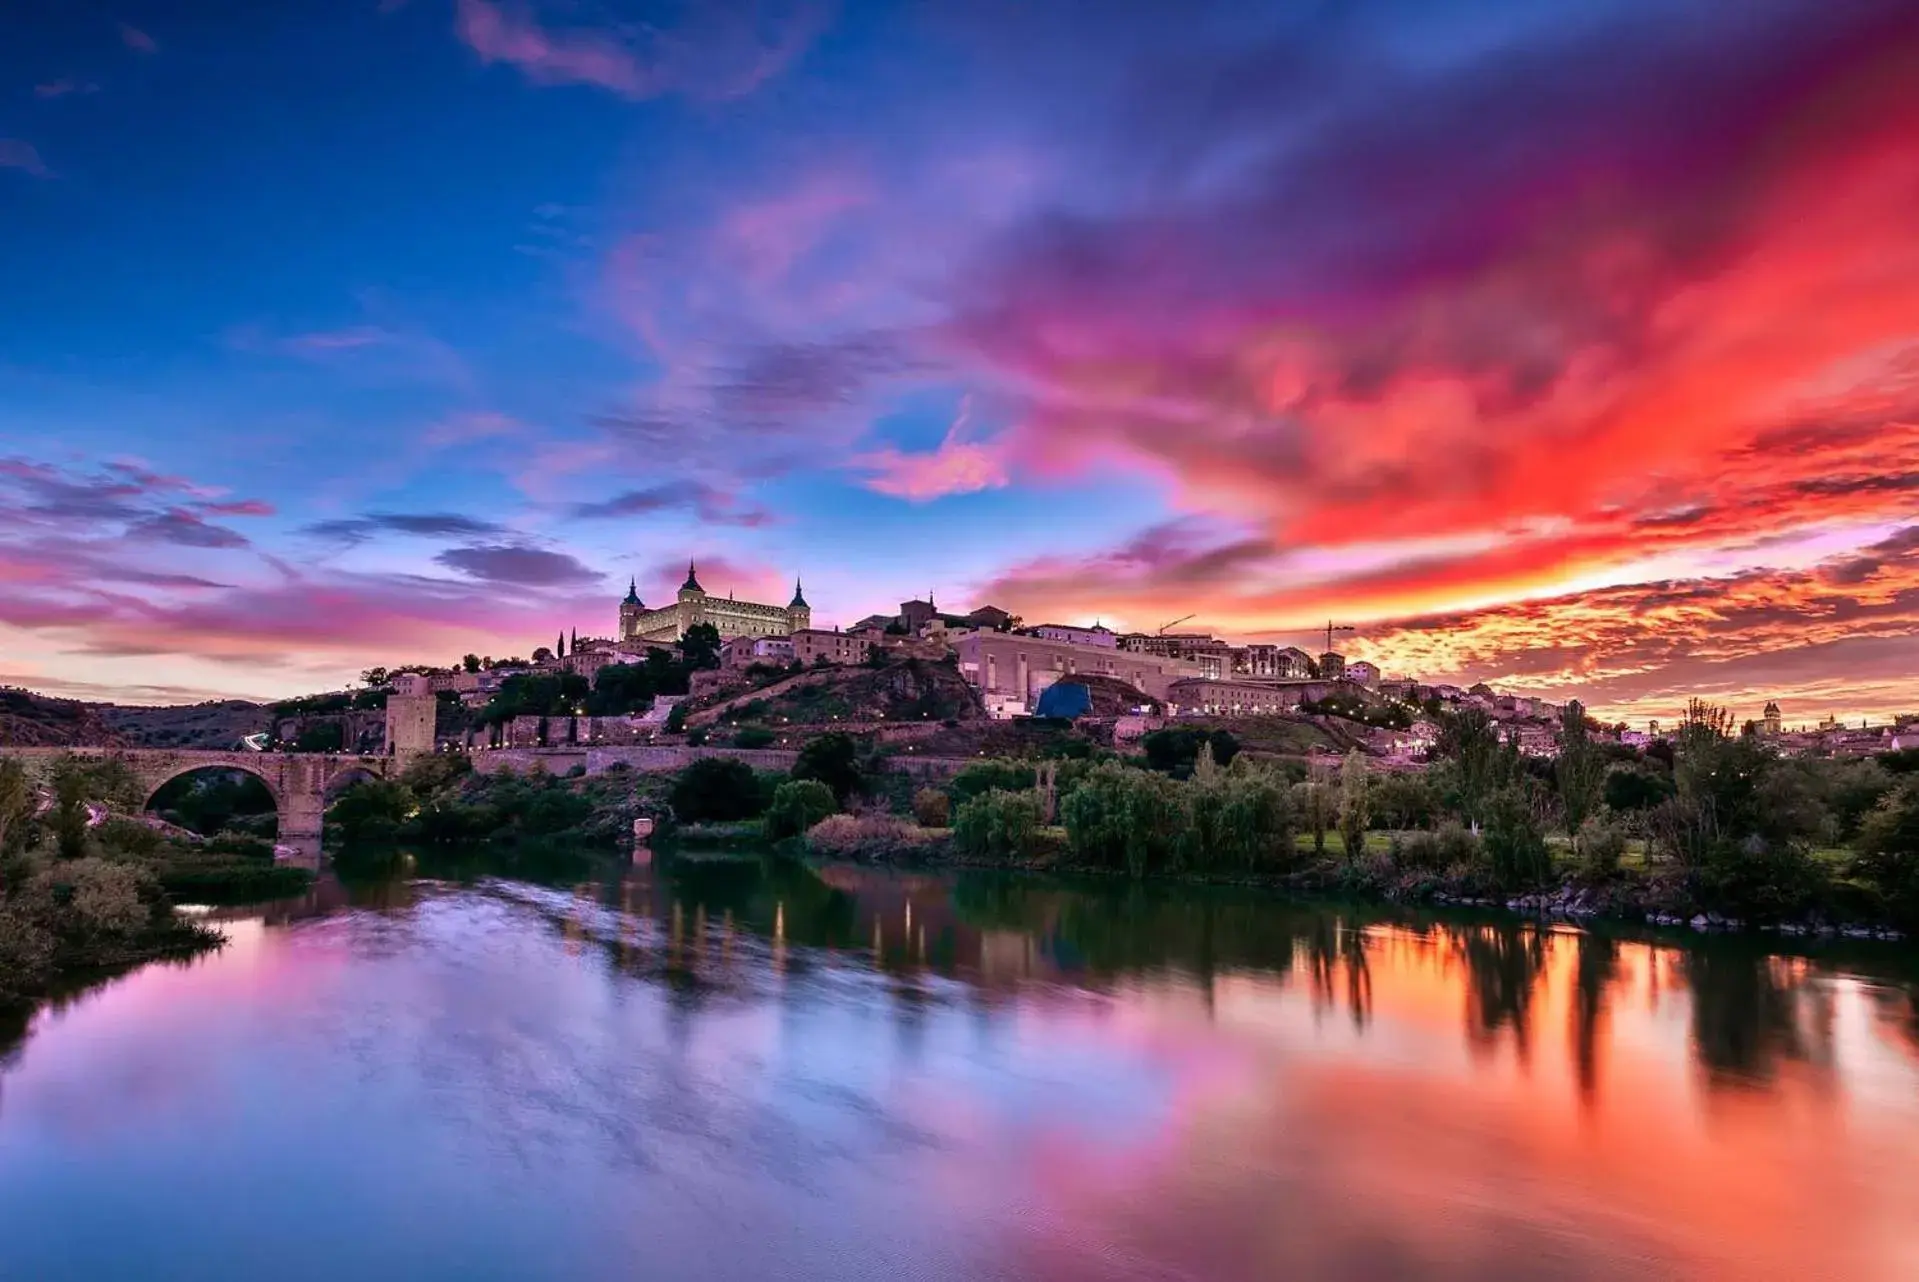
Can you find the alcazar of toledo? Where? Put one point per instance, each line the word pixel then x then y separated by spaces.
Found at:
pixel 692 606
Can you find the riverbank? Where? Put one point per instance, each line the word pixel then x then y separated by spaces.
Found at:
pixel 1637 895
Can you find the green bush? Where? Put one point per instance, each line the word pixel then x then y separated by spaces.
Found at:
pixel 932 808
pixel 1240 819
pixel 797 805
pixel 372 811
pixel 753 737
pixel 868 837
pixel 998 825
pixel 1175 750
pixel 717 790
pixel 1599 845
pixel 1761 880
pixel 1119 817
pixel 1448 847
pixel 1887 853
pixel 984 776
pixel 833 759
pixel 1515 848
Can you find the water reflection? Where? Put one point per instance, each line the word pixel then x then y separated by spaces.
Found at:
pixel 752 1068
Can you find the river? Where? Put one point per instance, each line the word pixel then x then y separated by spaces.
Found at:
pixel 756 1070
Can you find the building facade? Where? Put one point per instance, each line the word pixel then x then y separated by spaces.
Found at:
pixel 1104 638
pixel 1227 698
pixel 693 605
pixel 1010 670
pixel 812 646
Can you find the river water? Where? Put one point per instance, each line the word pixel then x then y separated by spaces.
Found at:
pixel 755 1070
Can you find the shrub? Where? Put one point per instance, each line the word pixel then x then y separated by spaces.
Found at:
pixel 698 736
pixel 1355 817
pixel 676 718
pixel 797 805
pixel 129 837
pixel 26 957
pixel 998 825
pixel 1515 848
pixel 1449 847
pixel 753 737
pixel 1119 817
pixel 984 776
pixel 833 759
pixel 867 837
pixel 1403 800
pixel 1239 818
pixel 1887 855
pixel 372 811
pixel 240 845
pixel 717 790
pixel 104 898
pixel 1175 749
pixel 436 772
pixel 1761 880
pixel 1599 844
pixel 932 808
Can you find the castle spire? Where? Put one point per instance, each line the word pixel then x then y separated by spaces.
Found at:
pixel 632 592
pixel 799 598
pixel 692 583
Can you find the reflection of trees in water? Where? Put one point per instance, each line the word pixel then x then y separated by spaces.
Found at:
pixel 1751 1011
pixel 1593 975
pixel 1503 966
pixel 1896 1012
pixel 1335 950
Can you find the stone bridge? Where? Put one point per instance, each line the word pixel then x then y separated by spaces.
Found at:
pixel 298 781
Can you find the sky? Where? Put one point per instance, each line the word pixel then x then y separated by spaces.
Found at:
pixel 1571 347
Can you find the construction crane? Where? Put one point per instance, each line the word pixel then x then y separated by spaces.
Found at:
pixel 1328 629
pixel 1175 623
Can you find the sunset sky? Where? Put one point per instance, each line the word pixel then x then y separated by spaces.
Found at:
pixel 1571 346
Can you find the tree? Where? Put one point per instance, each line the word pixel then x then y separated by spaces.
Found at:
pixel 998 825
pixel 717 790
pixel 1888 852
pixel 700 647
pixel 1483 765
pixel 1354 817
pixel 797 805
pixel 471 662
pixel 1119 817
pixel 72 793
pixel 676 718
pixel 16 805
pixel 372 811
pixel 1514 846
pixel 1317 806
pixel 833 759
pixel 1580 769
pixel 374 677
pixel 1175 749
pixel 542 655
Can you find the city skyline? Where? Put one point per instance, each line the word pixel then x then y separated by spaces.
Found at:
pixel 1577 353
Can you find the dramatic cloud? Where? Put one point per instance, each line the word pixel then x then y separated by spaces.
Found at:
pixel 518 565
pixel 710 505
pixel 185 528
pixel 359 529
pixel 706 48
pixel 957 466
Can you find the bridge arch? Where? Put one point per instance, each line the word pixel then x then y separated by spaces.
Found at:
pixel 157 782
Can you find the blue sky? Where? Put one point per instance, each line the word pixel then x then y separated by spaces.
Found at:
pixel 1479 325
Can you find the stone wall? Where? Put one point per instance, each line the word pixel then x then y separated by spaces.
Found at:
pixel 670 758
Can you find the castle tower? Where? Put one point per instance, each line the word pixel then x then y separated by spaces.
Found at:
pixel 630 611
pixel 692 599
pixel 1772 718
pixel 799 614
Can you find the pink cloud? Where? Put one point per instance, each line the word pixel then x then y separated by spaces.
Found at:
pixel 958 466
pixel 15 154
pixel 137 40
pixel 716 49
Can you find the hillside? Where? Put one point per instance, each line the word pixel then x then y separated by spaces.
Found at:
pixel 914 689
pixel 30 720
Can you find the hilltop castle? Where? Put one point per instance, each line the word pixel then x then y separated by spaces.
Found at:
pixel 692 606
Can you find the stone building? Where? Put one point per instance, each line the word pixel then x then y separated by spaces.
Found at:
pixel 810 645
pixel 1771 723
pixel 1010 670
pixel 693 605
pixel 1226 698
pixel 1103 637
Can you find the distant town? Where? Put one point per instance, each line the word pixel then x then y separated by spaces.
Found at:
pixel 1019 669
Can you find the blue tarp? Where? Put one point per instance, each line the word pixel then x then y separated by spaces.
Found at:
pixel 1067 699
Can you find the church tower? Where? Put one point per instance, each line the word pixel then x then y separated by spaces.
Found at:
pixel 630 611
pixel 799 614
